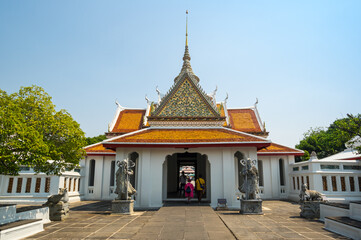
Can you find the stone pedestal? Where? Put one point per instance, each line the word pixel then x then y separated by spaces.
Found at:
pixel 58 211
pixel 253 206
pixel 123 206
pixel 310 209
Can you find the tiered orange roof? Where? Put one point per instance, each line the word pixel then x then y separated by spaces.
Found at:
pixel 98 148
pixel 129 120
pixel 244 120
pixel 277 149
pixel 201 136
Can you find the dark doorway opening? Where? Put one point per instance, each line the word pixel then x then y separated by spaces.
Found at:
pixel 192 163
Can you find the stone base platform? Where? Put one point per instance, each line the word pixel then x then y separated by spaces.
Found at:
pixel 310 209
pixel 253 206
pixel 123 207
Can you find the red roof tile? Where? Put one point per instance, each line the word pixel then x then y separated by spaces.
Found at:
pixel 276 149
pixel 129 120
pixel 98 149
pixel 244 120
pixel 188 136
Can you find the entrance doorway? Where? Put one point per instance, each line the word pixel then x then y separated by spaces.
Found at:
pixel 193 164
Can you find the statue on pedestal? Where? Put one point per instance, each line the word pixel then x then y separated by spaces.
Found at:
pixel 124 188
pixel 58 205
pixel 250 202
pixel 310 203
pixel 123 203
pixel 250 179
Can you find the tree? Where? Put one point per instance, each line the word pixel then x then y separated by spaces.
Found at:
pixel 329 141
pixel 34 134
pixel 351 128
pixel 96 139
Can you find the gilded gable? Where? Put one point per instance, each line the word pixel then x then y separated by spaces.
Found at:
pixel 186 101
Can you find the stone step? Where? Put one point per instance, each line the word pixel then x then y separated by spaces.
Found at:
pixel 7 213
pixel 345 226
pixel 355 210
pixel 20 229
pixel 32 212
pixel 334 210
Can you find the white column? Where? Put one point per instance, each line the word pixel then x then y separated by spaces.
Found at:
pixel 357 186
pixel 23 186
pixel 98 178
pixel 275 175
pixel 165 174
pixel 106 178
pixel 42 184
pixel 217 175
pixel 338 183
pixel 229 188
pixel 289 159
pixel 145 181
pixel 329 184
pixel 3 187
pixel 85 180
pixel 156 169
pixel 54 184
pixel 347 182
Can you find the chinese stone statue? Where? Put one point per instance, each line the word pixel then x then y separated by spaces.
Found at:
pixel 250 202
pixel 124 188
pixel 310 203
pixel 249 174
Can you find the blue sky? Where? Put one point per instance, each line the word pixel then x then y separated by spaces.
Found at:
pixel 301 59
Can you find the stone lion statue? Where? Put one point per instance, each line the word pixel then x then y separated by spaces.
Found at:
pixel 58 205
pixel 309 195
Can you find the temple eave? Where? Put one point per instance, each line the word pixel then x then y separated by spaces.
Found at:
pixel 188 118
pixel 259 145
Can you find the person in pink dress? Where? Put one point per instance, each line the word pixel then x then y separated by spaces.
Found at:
pixel 188 189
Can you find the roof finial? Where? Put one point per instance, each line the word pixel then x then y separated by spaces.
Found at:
pixel 186 27
pixel 186 57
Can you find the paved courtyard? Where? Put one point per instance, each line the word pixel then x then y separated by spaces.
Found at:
pixel 93 220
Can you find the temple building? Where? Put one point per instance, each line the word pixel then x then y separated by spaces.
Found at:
pixel 186 127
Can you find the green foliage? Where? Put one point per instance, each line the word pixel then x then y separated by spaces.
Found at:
pixel 326 142
pixel 96 139
pixel 351 128
pixel 34 134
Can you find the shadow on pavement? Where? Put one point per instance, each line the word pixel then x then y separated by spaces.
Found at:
pixel 100 206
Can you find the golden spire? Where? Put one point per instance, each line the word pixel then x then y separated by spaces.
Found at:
pixel 186 27
pixel 186 57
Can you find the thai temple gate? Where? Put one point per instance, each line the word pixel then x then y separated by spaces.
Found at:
pixel 186 127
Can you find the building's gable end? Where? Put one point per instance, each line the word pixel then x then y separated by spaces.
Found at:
pixel 244 120
pixel 128 120
pixel 186 99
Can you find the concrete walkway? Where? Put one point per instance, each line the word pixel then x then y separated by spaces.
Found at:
pixel 93 220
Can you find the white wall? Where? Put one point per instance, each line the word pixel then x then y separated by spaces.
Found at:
pixel 222 175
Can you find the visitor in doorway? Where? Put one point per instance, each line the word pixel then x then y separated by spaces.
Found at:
pixel 189 190
pixel 183 181
pixel 200 187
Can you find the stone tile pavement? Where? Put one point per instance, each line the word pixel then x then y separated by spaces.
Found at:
pixel 93 220
pixel 280 221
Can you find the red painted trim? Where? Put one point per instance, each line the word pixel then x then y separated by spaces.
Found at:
pixel 351 158
pixel 280 153
pixel 100 154
pixel 186 145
